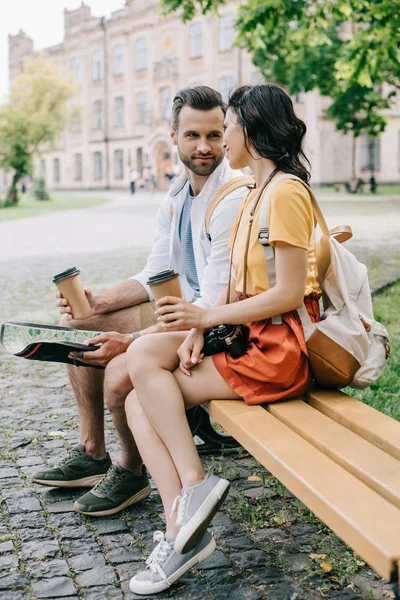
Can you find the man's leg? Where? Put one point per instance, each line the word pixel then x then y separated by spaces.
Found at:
pixel 88 462
pixel 126 482
pixel 117 385
pixel 87 383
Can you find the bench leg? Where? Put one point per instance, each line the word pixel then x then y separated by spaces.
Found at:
pixel 213 440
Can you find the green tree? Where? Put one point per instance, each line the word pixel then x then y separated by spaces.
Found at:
pixel 33 118
pixel 349 50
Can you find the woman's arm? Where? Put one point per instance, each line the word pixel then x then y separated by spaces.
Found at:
pixel 288 293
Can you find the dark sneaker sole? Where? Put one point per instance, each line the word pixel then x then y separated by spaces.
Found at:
pixel 144 588
pixel 193 532
pixel 73 483
pixel 144 493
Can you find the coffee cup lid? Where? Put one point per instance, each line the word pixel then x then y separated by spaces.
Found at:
pixel 161 277
pixel 65 274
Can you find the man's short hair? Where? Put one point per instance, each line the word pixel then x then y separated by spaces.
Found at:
pixel 200 97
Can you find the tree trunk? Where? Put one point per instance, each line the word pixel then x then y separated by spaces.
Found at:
pixel 12 195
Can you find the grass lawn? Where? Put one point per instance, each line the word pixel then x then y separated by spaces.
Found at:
pixel 384 394
pixel 382 190
pixel 29 207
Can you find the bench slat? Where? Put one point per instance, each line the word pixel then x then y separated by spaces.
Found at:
pixel 365 421
pixel 376 468
pixel 365 521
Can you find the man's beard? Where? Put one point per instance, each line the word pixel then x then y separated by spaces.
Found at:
pixel 201 169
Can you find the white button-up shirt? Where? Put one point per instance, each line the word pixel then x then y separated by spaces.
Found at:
pixel 211 255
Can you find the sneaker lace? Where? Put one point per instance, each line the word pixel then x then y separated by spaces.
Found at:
pixel 159 554
pixel 108 481
pixel 74 452
pixel 180 504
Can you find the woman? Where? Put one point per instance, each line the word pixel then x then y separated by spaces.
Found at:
pixel 263 133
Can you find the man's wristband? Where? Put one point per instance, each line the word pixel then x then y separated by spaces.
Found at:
pixel 135 335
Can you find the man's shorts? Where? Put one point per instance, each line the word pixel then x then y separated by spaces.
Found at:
pixel 147 317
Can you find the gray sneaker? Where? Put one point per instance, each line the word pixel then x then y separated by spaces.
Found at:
pixel 196 509
pixel 77 469
pixel 165 566
pixel 117 490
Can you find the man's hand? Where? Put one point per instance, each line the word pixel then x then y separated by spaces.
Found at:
pixel 112 344
pixel 176 314
pixel 189 352
pixel 65 309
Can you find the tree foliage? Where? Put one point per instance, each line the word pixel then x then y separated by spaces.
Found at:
pixel 349 50
pixel 34 116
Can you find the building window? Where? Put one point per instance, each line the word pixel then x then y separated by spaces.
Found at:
pixel 77 69
pixel 98 115
pixel 196 40
pixel 118 60
pixel 43 168
pixel 226 32
pixel 118 164
pixel 226 85
pixel 370 153
pixel 141 54
pixel 119 116
pixel 98 166
pixel 56 169
pixel 78 167
pixel 166 103
pixel 141 107
pixel 98 65
pixel 76 126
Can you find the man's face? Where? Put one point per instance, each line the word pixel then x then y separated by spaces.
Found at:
pixel 199 139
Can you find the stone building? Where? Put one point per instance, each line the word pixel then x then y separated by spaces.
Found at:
pixel 128 68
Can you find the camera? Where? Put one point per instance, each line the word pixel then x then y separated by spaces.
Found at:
pixel 233 339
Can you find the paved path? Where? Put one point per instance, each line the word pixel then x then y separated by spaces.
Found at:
pixel 264 535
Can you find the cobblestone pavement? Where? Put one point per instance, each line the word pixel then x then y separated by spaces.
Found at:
pixel 265 536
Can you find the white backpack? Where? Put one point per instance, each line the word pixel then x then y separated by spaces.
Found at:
pixel 347 347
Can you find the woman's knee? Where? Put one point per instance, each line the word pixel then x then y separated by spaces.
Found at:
pixel 141 355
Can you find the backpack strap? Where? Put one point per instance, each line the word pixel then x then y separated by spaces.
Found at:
pixel 224 191
pixel 269 251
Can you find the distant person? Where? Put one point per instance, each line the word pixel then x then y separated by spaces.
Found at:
pixel 372 184
pixel 133 177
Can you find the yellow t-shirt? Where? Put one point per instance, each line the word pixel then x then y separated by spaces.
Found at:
pixel 290 220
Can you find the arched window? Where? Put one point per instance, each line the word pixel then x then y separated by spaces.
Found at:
pixel 118 164
pixel 98 166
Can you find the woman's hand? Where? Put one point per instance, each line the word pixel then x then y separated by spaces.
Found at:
pixel 176 314
pixel 189 352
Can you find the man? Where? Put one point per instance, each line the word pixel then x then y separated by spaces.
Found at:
pixel 181 244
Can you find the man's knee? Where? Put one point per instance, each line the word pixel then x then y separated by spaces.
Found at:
pixel 117 383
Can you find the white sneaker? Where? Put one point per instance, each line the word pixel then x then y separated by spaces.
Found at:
pixel 165 566
pixel 196 509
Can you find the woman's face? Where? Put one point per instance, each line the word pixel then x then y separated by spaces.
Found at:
pixel 234 142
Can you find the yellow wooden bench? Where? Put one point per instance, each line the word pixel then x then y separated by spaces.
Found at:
pixel 340 457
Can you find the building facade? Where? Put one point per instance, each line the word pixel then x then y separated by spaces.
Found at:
pixel 127 70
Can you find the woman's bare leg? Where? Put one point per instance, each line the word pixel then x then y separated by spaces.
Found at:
pixel 151 360
pixel 156 458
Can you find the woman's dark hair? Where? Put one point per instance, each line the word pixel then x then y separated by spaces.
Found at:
pixel 200 97
pixel 271 127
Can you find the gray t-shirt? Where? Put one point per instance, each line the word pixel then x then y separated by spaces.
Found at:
pixel 185 235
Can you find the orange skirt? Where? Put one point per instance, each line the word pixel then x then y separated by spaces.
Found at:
pixel 275 365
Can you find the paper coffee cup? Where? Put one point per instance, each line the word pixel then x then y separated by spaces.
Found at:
pixel 164 284
pixel 70 285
